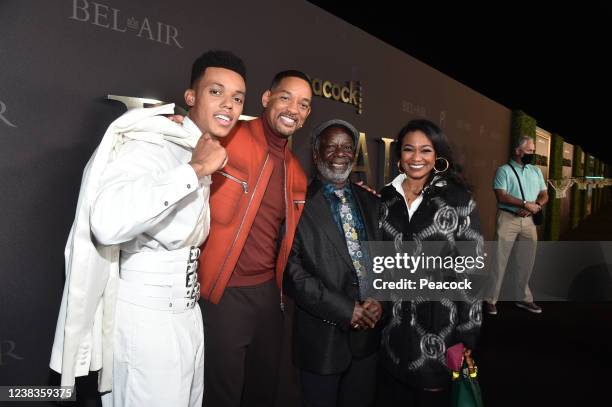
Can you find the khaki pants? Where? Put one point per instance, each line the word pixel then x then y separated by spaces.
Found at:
pixel 510 229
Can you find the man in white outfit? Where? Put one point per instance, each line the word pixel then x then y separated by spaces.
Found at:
pixel 130 302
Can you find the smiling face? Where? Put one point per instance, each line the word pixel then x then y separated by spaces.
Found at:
pixel 335 155
pixel 287 106
pixel 217 101
pixel 417 155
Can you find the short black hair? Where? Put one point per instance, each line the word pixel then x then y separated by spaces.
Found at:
pixel 216 59
pixel 291 73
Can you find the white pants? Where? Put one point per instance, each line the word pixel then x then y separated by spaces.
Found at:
pixel 158 358
pixel 158 353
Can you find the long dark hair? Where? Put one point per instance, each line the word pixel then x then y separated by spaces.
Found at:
pixel 440 145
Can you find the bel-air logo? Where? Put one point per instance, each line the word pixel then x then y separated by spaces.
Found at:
pixel 110 18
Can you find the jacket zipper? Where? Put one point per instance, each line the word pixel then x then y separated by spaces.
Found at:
pixel 245 185
pixel 242 221
pixel 282 302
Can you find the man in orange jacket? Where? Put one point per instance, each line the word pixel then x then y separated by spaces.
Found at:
pixel 256 202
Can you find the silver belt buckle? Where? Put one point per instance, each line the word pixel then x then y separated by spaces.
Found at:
pixel 194 253
pixel 191 273
pixel 191 277
pixel 193 295
pixel 191 289
pixel 196 292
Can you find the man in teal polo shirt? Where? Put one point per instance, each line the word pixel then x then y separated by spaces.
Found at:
pixel 515 222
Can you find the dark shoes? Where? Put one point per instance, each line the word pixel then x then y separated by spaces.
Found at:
pixel 489 308
pixel 529 306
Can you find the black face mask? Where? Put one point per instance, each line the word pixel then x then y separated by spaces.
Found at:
pixel 527 158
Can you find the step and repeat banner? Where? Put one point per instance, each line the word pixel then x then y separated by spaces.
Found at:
pixel 59 60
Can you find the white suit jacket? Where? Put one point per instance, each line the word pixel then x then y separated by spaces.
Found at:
pixel 84 333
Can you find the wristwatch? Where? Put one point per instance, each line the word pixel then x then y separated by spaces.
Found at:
pixel 524 203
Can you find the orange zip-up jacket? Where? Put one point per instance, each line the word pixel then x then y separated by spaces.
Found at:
pixel 236 194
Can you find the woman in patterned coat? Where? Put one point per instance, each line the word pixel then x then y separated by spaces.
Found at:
pixel 428 201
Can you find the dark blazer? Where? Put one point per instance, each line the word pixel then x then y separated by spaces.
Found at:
pixel 320 278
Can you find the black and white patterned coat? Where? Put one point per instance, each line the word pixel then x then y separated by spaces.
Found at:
pixel 417 333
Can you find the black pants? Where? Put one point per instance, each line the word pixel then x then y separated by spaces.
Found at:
pixel 356 387
pixel 242 347
pixel 394 393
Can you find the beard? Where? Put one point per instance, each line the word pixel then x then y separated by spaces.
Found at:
pixel 332 176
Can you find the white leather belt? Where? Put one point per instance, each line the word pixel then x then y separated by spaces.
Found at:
pixel 165 281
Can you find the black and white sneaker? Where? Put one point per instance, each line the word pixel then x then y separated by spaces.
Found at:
pixel 529 306
pixel 489 308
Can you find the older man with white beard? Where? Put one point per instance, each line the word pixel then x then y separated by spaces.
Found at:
pixel 336 330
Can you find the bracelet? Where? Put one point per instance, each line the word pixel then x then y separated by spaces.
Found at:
pixel 473 372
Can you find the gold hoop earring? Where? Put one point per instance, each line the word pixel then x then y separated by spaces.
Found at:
pixel 399 167
pixel 437 171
